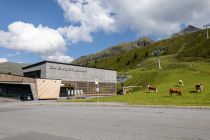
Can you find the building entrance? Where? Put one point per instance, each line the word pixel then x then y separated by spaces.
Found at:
pixel 16 91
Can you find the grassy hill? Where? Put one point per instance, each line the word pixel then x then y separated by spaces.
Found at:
pixel 187 30
pixel 112 51
pixel 172 70
pixel 190 47
pixel 13 68
pixel 184 58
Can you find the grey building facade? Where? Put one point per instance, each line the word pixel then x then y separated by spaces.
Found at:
pixel 75 77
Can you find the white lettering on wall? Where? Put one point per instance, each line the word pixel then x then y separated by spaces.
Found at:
pixel 67 69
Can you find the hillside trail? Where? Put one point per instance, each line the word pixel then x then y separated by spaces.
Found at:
pixel 146 63
pixel 184 44
pixel 181 49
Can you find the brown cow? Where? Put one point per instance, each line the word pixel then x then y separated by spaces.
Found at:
pixel 152 89
pixel 199 87
pixel 176 91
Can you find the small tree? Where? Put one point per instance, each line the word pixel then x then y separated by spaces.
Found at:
pixel 128 62
pixel 146 54
pixel 118 59
pixel 135 56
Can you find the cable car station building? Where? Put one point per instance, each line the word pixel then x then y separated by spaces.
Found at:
pixel 50 80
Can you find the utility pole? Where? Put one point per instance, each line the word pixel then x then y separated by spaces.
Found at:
pixel 207 30
pixel 158 58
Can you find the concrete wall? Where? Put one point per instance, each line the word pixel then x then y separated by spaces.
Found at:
pixel 82 78
pixel 48 89
pixel 76 73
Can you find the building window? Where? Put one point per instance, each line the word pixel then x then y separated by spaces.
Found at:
pixel 33 74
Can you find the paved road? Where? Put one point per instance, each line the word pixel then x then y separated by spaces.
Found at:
pixel 48 122
pixel 6 100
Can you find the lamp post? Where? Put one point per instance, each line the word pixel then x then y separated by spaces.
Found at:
pixel 97 88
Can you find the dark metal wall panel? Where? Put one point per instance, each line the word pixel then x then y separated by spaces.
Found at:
pixel 90 87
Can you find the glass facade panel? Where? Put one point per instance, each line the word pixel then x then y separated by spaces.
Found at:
pixel 33 74
pixel 90 87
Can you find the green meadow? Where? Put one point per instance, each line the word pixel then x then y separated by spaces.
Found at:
pixel 172 70
pixel 185 58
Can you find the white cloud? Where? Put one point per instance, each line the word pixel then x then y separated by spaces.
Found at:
pixel 27 37
pixel 158 17
pixel 75 34
pixel 40 40
pixel 85 17
pixel 88 16
pixel 146 17
pixel 3 60
pixel 59 57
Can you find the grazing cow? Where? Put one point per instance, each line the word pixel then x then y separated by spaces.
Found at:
pixel 199 87
pixel 176 91
pixel 152 89
pixel 181 83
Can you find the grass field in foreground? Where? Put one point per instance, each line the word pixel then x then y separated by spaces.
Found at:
pixel 173 70
pixel 143 98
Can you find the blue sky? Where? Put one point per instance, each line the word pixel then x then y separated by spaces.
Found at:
pixel 48 13
pixel 87 26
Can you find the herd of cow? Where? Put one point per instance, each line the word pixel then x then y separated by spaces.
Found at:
pixel 178 91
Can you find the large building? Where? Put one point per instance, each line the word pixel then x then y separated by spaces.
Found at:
pixel 50 80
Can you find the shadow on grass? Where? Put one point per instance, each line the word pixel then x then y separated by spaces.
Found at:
pixel 193 91
pixel 169 96
pixel 150 92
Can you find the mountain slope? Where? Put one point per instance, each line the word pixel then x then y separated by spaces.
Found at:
pixel 125 47
pixel 192 47
pixel 12 68
pixel 172 71
pixel 187 30
pixel 115 50
pixel 185 57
